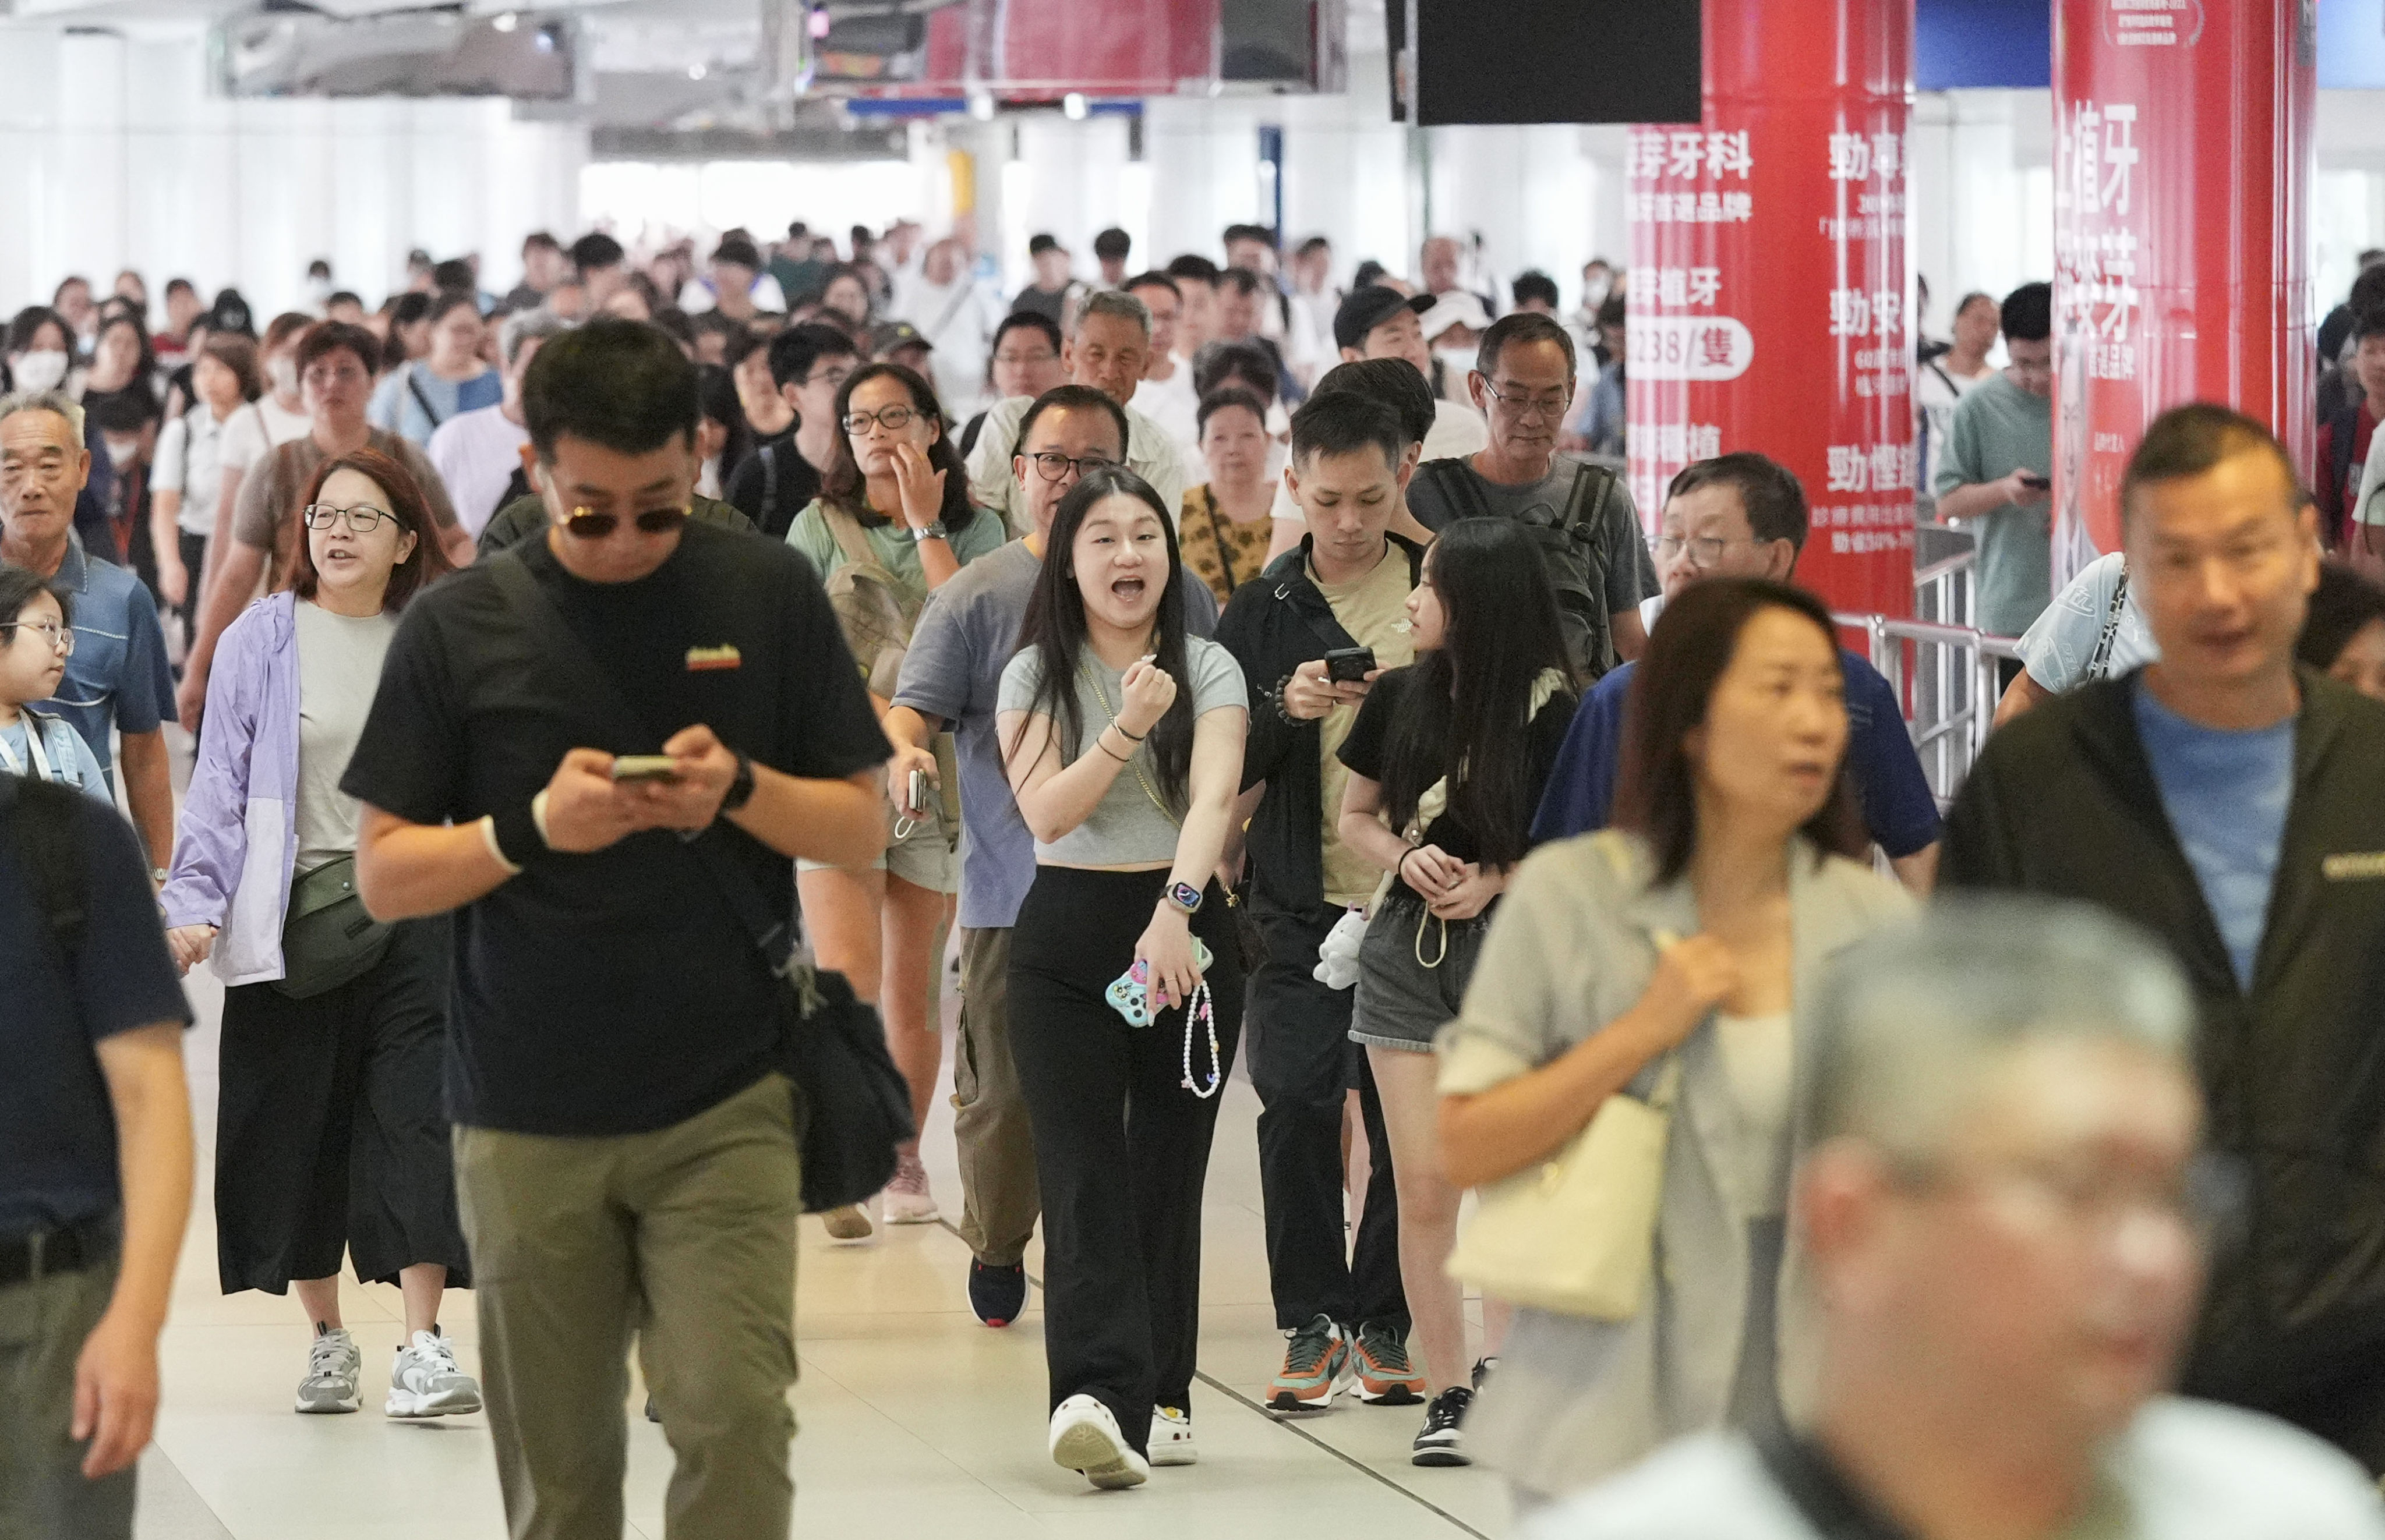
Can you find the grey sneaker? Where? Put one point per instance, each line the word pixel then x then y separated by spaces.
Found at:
pixel 427 1382
pixel 332 1367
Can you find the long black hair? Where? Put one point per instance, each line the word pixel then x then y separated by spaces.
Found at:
pixel 844 484
pixel 1055 625
pixel 1467 701
pixel 1689 651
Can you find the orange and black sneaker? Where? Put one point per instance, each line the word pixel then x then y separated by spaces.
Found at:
pixel 1312 1362
pixel 1386 1378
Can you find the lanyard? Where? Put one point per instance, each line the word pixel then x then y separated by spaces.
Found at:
pixel 15 766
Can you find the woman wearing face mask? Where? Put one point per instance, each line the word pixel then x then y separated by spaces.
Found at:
pixel 894 509
pixel 120 403
pixel 1664 959
pixel 447 378
pixel 331 1135
pixel 1123 737
pixel 40 350
pixel 1453 328
pixel 1447 761
pixel 36 639
pixel 186 486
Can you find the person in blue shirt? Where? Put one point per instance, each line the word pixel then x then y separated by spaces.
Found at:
pixel 1743 516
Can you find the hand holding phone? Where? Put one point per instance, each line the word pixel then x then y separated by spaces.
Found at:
pixel 1349 666
pixel 629 768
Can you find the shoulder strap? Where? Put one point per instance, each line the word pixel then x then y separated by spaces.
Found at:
pixel 770 484
pixel 2099 664
pixel 414 389
pixel 773 937
pixel 849 537
pixel 1585 509
pixel 1453 479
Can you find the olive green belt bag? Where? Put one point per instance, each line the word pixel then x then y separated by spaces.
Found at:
pixel 327 938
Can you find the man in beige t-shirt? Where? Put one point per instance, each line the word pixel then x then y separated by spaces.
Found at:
pixel 1342 1311
pixel 336 378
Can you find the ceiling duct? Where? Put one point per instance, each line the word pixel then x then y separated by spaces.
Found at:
pixel 419 53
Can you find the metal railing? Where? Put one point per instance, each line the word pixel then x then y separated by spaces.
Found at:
pixel 1943 668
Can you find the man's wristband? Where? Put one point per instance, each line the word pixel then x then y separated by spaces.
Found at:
pixel 515 834
pixel 1284 712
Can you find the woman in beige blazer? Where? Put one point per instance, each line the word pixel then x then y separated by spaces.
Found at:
pixel 1688 932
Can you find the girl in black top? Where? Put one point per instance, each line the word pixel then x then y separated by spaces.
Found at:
pixel 1447 760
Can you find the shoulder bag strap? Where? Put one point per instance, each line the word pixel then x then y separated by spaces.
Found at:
pixel 773 937
pixel 1451 478
pixel 2099 664
pixel 849 537
pixel 770 484
pixel 414 389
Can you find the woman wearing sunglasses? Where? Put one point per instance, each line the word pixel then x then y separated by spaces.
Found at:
pixel 330 1137
pixel 892 523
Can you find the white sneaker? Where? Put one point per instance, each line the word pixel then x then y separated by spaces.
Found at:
pixel 851 1225
pixel 1171 1437
pixel 426 1381
pixel 907 1199
pixel 333 1366
pixel 1085 1438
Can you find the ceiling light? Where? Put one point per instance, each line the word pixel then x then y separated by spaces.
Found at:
pixel 507 22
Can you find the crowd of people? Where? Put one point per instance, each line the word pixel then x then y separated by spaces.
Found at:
pixel 1219 666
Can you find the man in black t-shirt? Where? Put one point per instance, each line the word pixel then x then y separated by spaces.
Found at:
pixel 95 1161
pixel 625 1154
pixel 809 363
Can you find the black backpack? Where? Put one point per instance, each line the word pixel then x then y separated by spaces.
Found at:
pixel 1570 546
pixel 37 822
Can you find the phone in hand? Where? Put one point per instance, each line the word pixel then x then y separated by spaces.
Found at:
pixel 914 798
pixel 645 767
pixel 2038 483
pixel 1349 666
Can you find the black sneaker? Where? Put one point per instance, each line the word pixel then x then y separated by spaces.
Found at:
pixel 1442 1442
pixel 997 1294
pixel 1483 1369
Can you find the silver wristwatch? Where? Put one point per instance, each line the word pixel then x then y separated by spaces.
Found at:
pixel 935 531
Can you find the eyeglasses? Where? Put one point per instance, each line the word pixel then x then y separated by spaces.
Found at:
pixel 1704 549
pixel 1519 405
pixel 1053 466
pixel 362 519
pixel 833 378
pixel 892 418
pixel 61 637
pixel 587 524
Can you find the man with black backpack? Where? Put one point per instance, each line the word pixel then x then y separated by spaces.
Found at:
pixel 809 363
pixel 600 749
pixel 95 1161
pixel 1581 513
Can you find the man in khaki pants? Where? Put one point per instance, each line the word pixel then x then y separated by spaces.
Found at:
pixel 625 1152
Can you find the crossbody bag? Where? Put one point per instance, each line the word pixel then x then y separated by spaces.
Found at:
pixel 852 1106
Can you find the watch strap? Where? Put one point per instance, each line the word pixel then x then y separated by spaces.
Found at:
pixel 741 786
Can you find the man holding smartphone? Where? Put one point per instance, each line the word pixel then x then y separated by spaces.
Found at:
pixel 626 1156
pixel 1994 473
pixel 1312 636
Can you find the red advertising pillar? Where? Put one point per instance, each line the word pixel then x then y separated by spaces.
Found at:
pixel 1771 298
pixel 2183 151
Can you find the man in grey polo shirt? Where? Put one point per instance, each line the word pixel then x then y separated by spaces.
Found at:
pixel 952 678
pixel 117 675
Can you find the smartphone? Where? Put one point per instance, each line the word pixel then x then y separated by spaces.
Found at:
pixel 1349 666
pixel 645 768
pixel 916 798
pixel 2038 483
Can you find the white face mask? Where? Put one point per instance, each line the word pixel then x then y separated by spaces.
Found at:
pixel 122 451
pixel 1458 359
pixel 1593 295
pixel 283 371
pixel 45 371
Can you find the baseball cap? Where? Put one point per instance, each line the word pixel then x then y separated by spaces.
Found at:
pixel 1370 308
pixel 886 336
pixel 1038 244
pixel 1455 308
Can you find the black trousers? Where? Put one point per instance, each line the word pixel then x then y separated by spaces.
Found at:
pixel 1301 1064
pixel 1121 1147
pixel 330 1133
pixel 194 548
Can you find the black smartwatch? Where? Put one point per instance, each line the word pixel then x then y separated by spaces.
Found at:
pixel 741 787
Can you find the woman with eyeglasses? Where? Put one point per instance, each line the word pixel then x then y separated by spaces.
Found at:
pixel 36 639
pixel 892 523
pixel 331 1135
pixel 1122 738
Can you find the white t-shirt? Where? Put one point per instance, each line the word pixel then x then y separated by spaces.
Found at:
pixel 2060 645
pixel 476 455
pixel 1171 404
pixel 246 440
pixel 700 296
pixel 2184 1471
pixel 1936 390
pixel 1458 430
pixel 189 461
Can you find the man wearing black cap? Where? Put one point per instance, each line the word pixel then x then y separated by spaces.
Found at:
pixel 1053 287
pixel 900 343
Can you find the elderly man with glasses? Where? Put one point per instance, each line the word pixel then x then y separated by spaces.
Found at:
pixel 336 378
pixel 1523 382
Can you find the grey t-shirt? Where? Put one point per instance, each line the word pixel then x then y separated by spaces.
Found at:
pixel 2000 429
pixel 338 668
pixel 1631 576
pixel 1128 826
pixel 952 670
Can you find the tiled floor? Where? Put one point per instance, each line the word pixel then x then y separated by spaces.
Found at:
pixel 915 1419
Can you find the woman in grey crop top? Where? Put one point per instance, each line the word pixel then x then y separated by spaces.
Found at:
pixel 1123 740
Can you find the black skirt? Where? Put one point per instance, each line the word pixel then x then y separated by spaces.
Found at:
pixel 331 1135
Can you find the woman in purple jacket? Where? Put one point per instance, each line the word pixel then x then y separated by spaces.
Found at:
pixel 329 1134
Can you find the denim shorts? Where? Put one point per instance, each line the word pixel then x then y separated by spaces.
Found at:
pixel 1412 974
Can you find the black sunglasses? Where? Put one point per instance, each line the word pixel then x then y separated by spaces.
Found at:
pixel 587 526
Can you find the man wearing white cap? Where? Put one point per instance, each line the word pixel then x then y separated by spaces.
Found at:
pixel 1453 329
